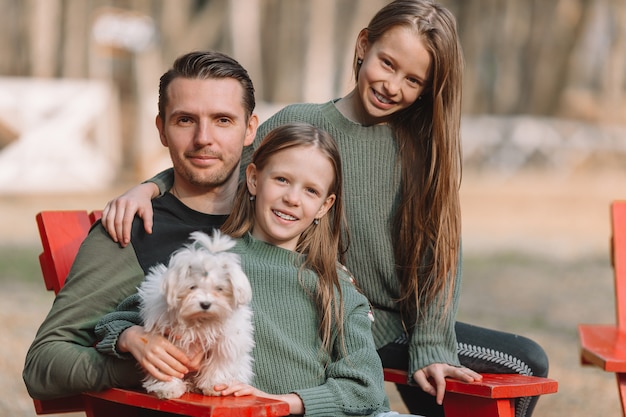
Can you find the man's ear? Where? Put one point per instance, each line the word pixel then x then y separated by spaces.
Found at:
pixel 253 124
pixel 159 125
pixel 251 178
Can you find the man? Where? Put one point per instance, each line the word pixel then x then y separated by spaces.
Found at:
pixel 206 104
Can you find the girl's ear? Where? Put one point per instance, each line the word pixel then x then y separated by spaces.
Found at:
pixel 251 177
pixel 330 200
pixel 361 44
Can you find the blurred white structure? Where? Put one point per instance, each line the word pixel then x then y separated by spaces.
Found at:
pixel 68 135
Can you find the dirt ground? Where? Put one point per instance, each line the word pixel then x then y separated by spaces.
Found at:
pixel 536 263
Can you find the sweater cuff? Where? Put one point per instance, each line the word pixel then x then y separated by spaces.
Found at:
pixel 318 401
pixel 429 355
pixel 164 180
pixel 111 334
pixel 323 401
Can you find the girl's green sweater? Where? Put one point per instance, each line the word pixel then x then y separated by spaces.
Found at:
pixel 288 356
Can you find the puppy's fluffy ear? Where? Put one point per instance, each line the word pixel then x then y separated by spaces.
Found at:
pixel 242 291
pixel 173 279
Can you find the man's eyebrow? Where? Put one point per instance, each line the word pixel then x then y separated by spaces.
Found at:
pixel 217 115
pixel 181 113
pixel 226 114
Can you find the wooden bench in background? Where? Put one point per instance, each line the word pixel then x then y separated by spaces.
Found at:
pixel 62 232
pixel 604 345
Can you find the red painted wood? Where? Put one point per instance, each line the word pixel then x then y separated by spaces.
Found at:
pixel 196 404
pixel 97 407
pixel 604 346
pixel 59 406
pixel 95 215
pixel 395 375
pixel 460 405
pixel 61 233
pixel 492 385
pixel 504 386
pixel 618 216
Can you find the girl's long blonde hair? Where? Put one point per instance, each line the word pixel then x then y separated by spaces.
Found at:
pixel 427 224
pixel 320 244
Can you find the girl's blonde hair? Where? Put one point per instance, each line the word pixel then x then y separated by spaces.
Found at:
pixel 427 223
pixel 320 244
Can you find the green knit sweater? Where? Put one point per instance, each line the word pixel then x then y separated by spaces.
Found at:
pixel 371 174
pixel 287 353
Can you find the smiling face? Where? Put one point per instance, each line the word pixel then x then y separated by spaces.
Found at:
pixel 394 72
pixel 205 128
pixel 292 190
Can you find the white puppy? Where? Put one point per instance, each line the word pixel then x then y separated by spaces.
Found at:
pixel 201 299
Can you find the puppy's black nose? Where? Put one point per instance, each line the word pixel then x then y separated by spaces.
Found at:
pixel 205 305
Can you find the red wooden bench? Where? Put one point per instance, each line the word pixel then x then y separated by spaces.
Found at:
pixel 62 232
pixel 604 345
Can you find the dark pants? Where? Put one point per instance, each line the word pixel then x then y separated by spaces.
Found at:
pixel 482 350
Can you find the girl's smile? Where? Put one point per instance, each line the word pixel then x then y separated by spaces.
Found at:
pixel 291 191
pixel 394 72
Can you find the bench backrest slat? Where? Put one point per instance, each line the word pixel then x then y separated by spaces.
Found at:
pixel 61 234
pixel 618 258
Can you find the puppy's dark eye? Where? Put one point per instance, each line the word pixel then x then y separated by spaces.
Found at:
pixel 219 289
pixel 193 287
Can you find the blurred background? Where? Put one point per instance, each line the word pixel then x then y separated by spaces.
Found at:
pixel 544 139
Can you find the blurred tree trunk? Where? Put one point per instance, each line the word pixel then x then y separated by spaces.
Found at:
pixel 550 50
pixel 13 36
pixel 613 87
pixel 245 37
pixel 352 16
pixel 284 36
pixel 319 65
pixel 76 34
pixel 519 60
pixel 44 24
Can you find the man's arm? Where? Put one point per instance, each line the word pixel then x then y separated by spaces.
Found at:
pixel 62 360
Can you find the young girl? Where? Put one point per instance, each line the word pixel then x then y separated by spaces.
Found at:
pixel 398 134
pixel 313 342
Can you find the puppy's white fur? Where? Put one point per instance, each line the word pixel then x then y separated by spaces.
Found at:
pixel 201 299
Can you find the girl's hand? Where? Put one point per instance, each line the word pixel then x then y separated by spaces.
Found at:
pixel 238 389
pixel 157 355
pixel 432 378
pixel 118 214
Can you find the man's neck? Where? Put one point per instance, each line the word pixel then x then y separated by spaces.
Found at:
pixel 218 200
